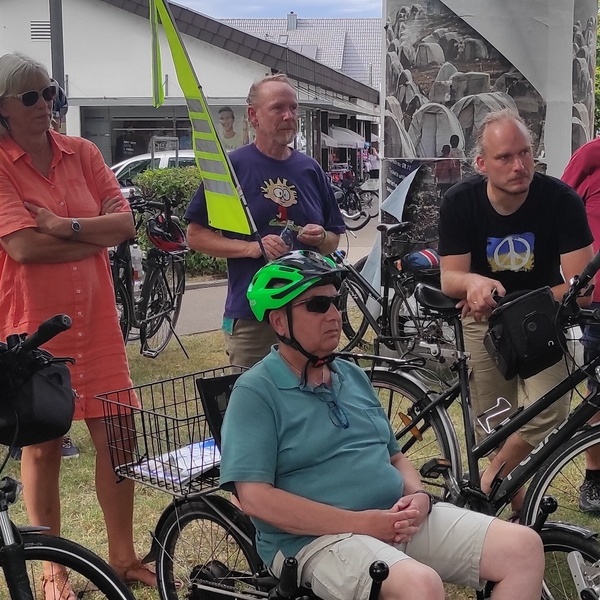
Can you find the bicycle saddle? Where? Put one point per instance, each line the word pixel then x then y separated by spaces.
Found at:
pixel 434 299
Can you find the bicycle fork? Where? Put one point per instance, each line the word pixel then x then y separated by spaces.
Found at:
pixel 12 552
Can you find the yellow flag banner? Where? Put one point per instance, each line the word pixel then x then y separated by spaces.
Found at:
pixel 225 202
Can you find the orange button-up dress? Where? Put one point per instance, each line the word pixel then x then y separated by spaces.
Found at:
pixel 30 293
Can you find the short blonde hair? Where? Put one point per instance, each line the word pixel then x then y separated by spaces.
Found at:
pixel 18 72
pixel 506 114
pixel 253 91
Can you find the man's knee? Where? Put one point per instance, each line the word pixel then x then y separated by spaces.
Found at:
pixel 510 549
pixel 424 582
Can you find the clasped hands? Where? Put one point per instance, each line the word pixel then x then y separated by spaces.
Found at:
pixel 398 524
pixel 52 224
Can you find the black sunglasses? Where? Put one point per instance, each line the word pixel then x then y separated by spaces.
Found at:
pixel 31 97
pixel 320 304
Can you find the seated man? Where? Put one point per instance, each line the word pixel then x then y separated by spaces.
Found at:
pixel 320 473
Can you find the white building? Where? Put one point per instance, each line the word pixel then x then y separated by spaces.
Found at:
pixel 106 62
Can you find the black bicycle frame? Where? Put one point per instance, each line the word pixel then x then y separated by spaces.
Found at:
pixel 508 486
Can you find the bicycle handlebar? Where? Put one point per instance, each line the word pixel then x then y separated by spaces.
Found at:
pixel 45 332
pixel 142 204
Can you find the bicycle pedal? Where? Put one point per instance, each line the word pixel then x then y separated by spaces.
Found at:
pixel 435 468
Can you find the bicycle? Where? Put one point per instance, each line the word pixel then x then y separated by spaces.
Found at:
pixel 402 325
pixel 155 309
pixel 425 428
pixel 357 204
pixel 26 374
pixel 203 544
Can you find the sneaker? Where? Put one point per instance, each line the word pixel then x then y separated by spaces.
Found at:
pixel 15 453
pixel 589 496
pixel 69 449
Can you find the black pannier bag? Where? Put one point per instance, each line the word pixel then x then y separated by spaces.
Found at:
pixel 40 408
pixel 522 338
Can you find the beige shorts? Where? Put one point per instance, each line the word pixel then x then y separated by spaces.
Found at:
pixel 249 342
pixel 450 541
pixel 487 385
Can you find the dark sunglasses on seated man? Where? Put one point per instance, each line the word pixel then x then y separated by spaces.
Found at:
pixel 31 97
pixel 320 304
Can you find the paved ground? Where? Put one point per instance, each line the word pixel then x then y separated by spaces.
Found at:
pixel 202 307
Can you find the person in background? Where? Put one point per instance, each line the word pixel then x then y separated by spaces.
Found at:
pixel 583 175
pixel 504 230
pixel 291 202
pixel 455 151
pixel 374 162
pixel 320 473
pixel 447 171
pixel 60 208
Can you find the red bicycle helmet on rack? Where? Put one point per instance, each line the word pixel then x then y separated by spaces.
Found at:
pixel 168 238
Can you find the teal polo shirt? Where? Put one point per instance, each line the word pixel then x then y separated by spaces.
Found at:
pixel 277 432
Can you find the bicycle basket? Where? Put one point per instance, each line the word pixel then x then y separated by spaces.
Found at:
pixel 523 338
pixel 39 409
pixel 168 444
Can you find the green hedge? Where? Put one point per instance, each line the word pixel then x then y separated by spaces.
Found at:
pixel 181 183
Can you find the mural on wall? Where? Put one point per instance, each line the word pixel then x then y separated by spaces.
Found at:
pixel 441 78
pixel 232 126
pixel 584 70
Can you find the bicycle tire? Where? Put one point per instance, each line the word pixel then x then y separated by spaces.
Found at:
pixel 402 399
pixel 198 547
pixel 558 582
pixel 354 215
pixel 161 305
pixel 354 321
pixel 124 309
pixel 89 575
pixel 370 202
pixel 560 476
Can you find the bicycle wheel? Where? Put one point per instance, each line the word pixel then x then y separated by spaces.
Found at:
pixel 124 309
pixel 89 576
pixel 354 321
pixel 560 476
pixel 355 215
pixel 198 548
pixel 410 325
pixel 558 579
pixel 432 437
pixel 161 300
pixel 370 203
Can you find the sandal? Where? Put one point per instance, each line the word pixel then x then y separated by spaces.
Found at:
pixel 137 572
pixel 60 588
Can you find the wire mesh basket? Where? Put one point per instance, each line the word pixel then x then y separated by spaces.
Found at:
pixel 167 443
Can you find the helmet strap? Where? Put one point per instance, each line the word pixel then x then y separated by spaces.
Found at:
pixel 291 341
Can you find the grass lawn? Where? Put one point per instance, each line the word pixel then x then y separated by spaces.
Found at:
pixel 82 520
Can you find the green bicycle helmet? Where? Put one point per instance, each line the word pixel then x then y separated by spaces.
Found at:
pixel 287 277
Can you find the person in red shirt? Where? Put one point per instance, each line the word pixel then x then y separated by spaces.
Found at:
pixel 60 208
pixel 583 175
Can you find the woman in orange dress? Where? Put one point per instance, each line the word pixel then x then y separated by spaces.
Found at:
pixel 60 208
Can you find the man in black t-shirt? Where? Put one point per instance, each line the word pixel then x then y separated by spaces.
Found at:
pixel 504 230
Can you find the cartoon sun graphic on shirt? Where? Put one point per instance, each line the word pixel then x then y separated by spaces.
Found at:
pixel 284 195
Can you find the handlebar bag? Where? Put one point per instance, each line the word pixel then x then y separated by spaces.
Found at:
pixel 523 337
pixel 38 409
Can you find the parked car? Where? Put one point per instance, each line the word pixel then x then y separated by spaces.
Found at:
pixel 128 169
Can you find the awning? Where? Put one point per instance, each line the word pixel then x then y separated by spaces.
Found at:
pixel 328 141
pixel 345 138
